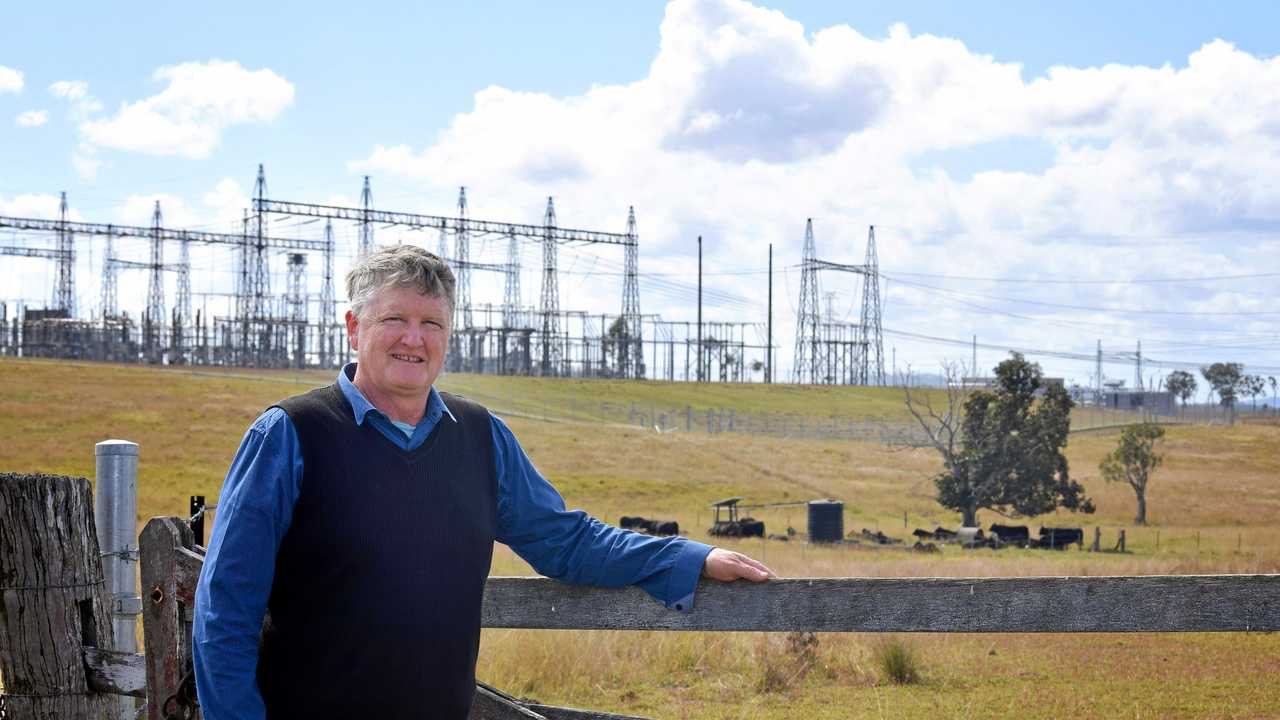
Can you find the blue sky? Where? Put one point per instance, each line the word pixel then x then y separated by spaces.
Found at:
pixel 391 89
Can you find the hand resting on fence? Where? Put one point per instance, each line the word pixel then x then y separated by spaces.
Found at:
pixel 727 565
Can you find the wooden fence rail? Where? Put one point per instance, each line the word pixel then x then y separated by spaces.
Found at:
pixel 171 563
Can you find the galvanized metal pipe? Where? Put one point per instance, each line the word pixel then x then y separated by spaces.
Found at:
pixel 115 511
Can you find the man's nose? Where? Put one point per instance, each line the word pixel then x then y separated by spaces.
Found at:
pixel 414 335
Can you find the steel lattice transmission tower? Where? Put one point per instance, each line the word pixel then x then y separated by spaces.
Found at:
pixel 259 288
pixel 872 370
pixel 511 293
pixel 328 303
pixel 549 335
pixel 182 318
pixel 110 293
pixel 462 259
pixel 155 289
pixel 806 355
pixel 366 227
pixel 66 289
pixel 630 347
pixel 443 250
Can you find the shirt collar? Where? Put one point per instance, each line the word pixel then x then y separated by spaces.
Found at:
pixel 361 406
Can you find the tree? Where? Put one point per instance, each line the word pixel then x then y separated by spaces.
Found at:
pixel 1002 449
pixel 1182 384
pixel 616 345
pixel 1226 379
pixel 1133 461
pixel 1254 385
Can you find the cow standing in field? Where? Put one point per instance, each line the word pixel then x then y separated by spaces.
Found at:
pixel 1018 535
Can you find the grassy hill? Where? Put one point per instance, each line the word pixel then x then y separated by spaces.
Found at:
pixel 1213 504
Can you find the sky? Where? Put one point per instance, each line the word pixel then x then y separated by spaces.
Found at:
pixel 1043 179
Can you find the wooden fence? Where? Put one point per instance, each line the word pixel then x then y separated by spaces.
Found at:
pixel 171 565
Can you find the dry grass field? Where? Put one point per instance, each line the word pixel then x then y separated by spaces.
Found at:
pixel 1214 507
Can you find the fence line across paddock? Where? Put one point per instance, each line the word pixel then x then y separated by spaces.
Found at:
pixel 54 523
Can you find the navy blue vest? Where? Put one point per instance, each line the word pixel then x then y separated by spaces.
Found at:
pixel 375 604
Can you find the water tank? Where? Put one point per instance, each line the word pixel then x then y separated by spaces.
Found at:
pixel 826 521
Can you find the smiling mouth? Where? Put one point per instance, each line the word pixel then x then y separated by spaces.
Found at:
pixel 407 358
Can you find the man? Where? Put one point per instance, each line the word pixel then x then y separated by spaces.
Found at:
pixel 362 517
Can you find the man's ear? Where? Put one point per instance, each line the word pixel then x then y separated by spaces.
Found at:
pixel 352 324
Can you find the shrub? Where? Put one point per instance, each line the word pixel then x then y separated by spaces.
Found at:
pixel 898 661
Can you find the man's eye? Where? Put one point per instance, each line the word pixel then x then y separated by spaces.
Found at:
pixel 393 319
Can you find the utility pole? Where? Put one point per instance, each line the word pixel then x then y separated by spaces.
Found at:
pixel 768 353
pixel 973 369
pixel 1137 369
pixel 699 352
pixel 1097 376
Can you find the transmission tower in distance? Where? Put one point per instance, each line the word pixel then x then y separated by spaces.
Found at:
pixel 805 369
pixel 549 335
pixel 872 371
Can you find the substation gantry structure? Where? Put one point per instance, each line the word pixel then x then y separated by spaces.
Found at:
pixel 623 341
pixel 248 338
pixel 830 351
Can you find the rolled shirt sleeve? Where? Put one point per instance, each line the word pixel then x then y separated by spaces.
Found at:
pixel 573 547
pixel 254 512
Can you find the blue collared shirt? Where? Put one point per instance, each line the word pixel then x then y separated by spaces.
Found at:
pixel 256 504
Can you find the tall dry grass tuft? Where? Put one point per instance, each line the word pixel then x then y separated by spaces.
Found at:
pixel 783 665
pixel 898 660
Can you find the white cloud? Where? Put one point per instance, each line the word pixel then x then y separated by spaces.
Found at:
pixel 76 92
pixel 198 103
pixel 746 124
pixel 86 163
pixel 139 210
pixel 10 80
pixel 35 205
pixel 70 89
pixel 32 118
pixel 226 202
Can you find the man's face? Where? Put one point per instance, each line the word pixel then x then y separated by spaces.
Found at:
pixel 400 342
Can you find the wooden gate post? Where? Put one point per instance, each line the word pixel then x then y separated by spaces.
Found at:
pixel 53 601
pixel 170 568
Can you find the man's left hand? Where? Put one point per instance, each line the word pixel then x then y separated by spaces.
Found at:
pixel 727 565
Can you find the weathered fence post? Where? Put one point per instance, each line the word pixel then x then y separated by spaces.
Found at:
pixel 170 567
pixel 53 601
pixel 115 512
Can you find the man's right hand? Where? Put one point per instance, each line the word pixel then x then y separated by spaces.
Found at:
pixel 727 565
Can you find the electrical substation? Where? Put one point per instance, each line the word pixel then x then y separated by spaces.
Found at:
pixel 294 327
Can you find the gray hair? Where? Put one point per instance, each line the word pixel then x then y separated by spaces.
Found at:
pixel 399 266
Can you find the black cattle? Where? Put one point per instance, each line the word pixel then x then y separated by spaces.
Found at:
pixel 633 523
pixel 941 533
pixel 1018 535
pixel 879 538
pixel 664 527
pixel 751 527
pixel 1060 538
pixel 923 534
